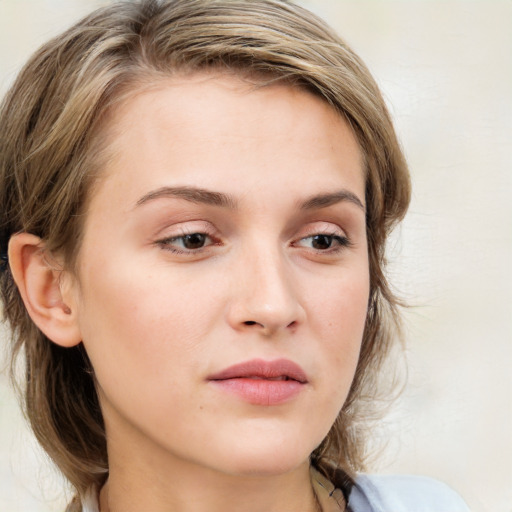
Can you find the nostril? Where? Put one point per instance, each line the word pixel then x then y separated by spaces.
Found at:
pixel 252 322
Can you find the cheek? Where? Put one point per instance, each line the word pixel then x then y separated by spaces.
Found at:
pixel 341 305
pixel 338 315
pixel 144 339
pixel 148 323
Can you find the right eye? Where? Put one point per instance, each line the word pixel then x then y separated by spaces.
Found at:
pixel 186 243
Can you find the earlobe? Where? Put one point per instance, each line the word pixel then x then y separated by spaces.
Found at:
pixel 45 290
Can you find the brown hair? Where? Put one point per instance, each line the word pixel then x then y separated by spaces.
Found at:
pixel 49 125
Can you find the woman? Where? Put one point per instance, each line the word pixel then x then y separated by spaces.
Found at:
pixel 195 198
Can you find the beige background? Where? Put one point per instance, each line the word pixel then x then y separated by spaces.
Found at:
pixel 446 70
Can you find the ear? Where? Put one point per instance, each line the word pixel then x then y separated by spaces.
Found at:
pixel 48 292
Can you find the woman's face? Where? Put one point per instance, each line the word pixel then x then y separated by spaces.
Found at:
pixel 224 274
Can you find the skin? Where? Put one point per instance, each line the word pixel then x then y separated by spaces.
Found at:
pixel 157 318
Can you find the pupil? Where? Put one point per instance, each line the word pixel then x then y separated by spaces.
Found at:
pixel 322 241
pixel 194 241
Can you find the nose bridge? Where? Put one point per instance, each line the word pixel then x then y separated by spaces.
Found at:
pixel 266 297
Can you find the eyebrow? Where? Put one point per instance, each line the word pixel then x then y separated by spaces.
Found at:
pixel 209 197
pixel 192 194
pixel 325 200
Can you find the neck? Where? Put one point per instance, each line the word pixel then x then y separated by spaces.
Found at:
pixel 193 490
pixel 142 476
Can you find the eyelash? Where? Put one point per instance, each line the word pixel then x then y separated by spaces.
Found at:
pixel 341 243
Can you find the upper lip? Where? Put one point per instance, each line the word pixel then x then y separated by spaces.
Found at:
pixel 259 368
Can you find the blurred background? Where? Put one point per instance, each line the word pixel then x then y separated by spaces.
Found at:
pixel 445 68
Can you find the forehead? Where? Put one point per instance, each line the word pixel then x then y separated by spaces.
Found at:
pixel 226 132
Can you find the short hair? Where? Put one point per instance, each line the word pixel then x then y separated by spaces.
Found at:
pixel 49 147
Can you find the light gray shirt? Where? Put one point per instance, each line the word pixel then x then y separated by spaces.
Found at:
pixel 403 493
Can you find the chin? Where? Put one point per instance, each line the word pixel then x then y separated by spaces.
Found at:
pixel 268 447
pixel 277 457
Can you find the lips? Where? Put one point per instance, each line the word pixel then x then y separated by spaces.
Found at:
pixel 261 382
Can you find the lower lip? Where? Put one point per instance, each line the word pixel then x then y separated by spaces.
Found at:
pixel 261 391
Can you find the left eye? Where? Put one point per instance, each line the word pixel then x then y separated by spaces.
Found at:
pixel 323 242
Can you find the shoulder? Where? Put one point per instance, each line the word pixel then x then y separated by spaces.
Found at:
pixel 407 493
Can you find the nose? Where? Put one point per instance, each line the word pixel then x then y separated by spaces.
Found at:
pixel 264 297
